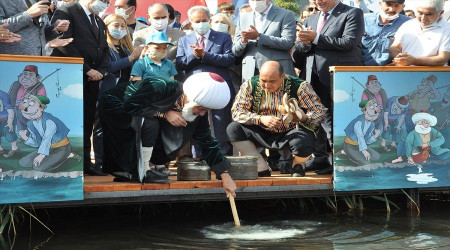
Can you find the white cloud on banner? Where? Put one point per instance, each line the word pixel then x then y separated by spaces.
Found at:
pixel 340 95
pixel 74 91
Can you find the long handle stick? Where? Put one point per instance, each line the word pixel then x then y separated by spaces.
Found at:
pixel 234 211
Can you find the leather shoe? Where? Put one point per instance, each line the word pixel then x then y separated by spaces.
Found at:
pixel 298 170
pixel 273 164
pixel 316 166
pixel 165 171
pixel 125 177
pixel 286 168
pixel 11 153
pixel 328 170
pixel 154 176
pixel 265 173
pixel 93 170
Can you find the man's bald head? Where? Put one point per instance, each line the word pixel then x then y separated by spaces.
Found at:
pixel 271 76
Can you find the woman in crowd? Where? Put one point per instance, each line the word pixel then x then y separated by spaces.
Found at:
pixel 122 57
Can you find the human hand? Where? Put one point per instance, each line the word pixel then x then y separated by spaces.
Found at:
pixel 376 133
pixel 270 121
pixel 38 9
pixel 404 59
pixel 228 184
pixel 307 36
pixel 23 134
pixel 425 145
pixel 7 36
pixel 136 52
pixel 38 159
pixel 62 25
pixel 366 155
pixel 58 42
pixel 386 126
pixel 410 161
pixel 198 52
pixel 176 119
pixel 250 34
pixel 94 75
pixel 398 129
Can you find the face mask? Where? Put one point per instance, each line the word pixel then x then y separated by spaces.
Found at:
pixel 201 28
pixel 188 31
pixel 159 24
pixel 387 17
pixel 60 4
pixel 258 6
pixel 117 34
pixel 122 12
pixel 232 16
pixel 156 55
pixel 98 6
pixel 221 27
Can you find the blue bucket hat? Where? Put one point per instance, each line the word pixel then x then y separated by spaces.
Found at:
pixel 157 38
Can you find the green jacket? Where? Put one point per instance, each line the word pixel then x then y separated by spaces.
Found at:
pixel 413 140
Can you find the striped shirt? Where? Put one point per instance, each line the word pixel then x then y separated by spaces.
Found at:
pixel 270 102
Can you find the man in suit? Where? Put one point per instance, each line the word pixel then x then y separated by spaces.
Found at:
pixel 89 33
pixel 29 20
pixel 333 37
pixel 206 50
pixel 265 34
pixel 158 16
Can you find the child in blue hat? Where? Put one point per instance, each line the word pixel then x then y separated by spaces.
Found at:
pixel 154 63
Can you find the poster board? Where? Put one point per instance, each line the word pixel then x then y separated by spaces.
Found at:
pixel 400 136
pixel 47 129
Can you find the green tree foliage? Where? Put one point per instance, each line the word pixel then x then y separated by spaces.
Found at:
pixel 291 5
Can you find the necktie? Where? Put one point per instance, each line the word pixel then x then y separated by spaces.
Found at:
pixel 94 25
pixel 201 42
pixel 324 20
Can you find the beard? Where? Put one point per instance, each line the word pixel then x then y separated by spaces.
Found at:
pixel 422 130
pixel 187 113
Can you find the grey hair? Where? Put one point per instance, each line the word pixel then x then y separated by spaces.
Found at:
pixel 437 4
pixel 157 4
pixel 195 8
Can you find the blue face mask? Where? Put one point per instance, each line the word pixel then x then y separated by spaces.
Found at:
pixel 201 28
pixel 117 34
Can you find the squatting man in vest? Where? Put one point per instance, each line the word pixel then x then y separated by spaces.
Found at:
pixel 188 119
pixel 46 133
pixel 276 111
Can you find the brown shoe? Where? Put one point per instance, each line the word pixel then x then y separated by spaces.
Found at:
pixel 11 153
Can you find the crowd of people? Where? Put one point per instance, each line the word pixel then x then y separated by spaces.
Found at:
pixel 155 88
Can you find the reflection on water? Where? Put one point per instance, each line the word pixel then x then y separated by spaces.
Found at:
pixel 215 230
pixel 422 178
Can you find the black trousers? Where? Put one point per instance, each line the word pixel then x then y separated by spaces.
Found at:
pixel 90 96
pixel 300 142
pixel 324 136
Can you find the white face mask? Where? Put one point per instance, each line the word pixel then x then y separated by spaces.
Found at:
pixel 156 55
pixel 387 17
pixel 122 12
pixel 201 28
pixel 60 4
pixel 221 27
pixel 258 6
pixel 159 24
pixel 117 34
pixel 98 6
pixel 188 31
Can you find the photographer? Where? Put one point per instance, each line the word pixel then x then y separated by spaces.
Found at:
pixel 29 19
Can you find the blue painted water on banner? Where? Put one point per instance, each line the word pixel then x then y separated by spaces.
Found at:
pixel 24 190
pixel 432 175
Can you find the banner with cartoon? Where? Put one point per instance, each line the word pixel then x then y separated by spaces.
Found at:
pixel 41 133
pixel 391 127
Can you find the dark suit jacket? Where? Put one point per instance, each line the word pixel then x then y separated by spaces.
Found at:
pixel 94 49
pixel 218 56
pixel 339 42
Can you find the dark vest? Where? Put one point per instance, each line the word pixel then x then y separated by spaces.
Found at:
pixel 61 129
pixel 15 88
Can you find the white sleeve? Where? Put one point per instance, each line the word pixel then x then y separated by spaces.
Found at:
pixel 445 41
pixel 400 32
pixel 50 130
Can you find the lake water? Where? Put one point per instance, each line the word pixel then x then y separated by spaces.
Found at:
pixel 210 226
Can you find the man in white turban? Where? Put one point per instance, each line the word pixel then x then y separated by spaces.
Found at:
pixel 202 91
pixel 425 137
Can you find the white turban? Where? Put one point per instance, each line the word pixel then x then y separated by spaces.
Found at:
pixel 208 90
pixel 424 116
